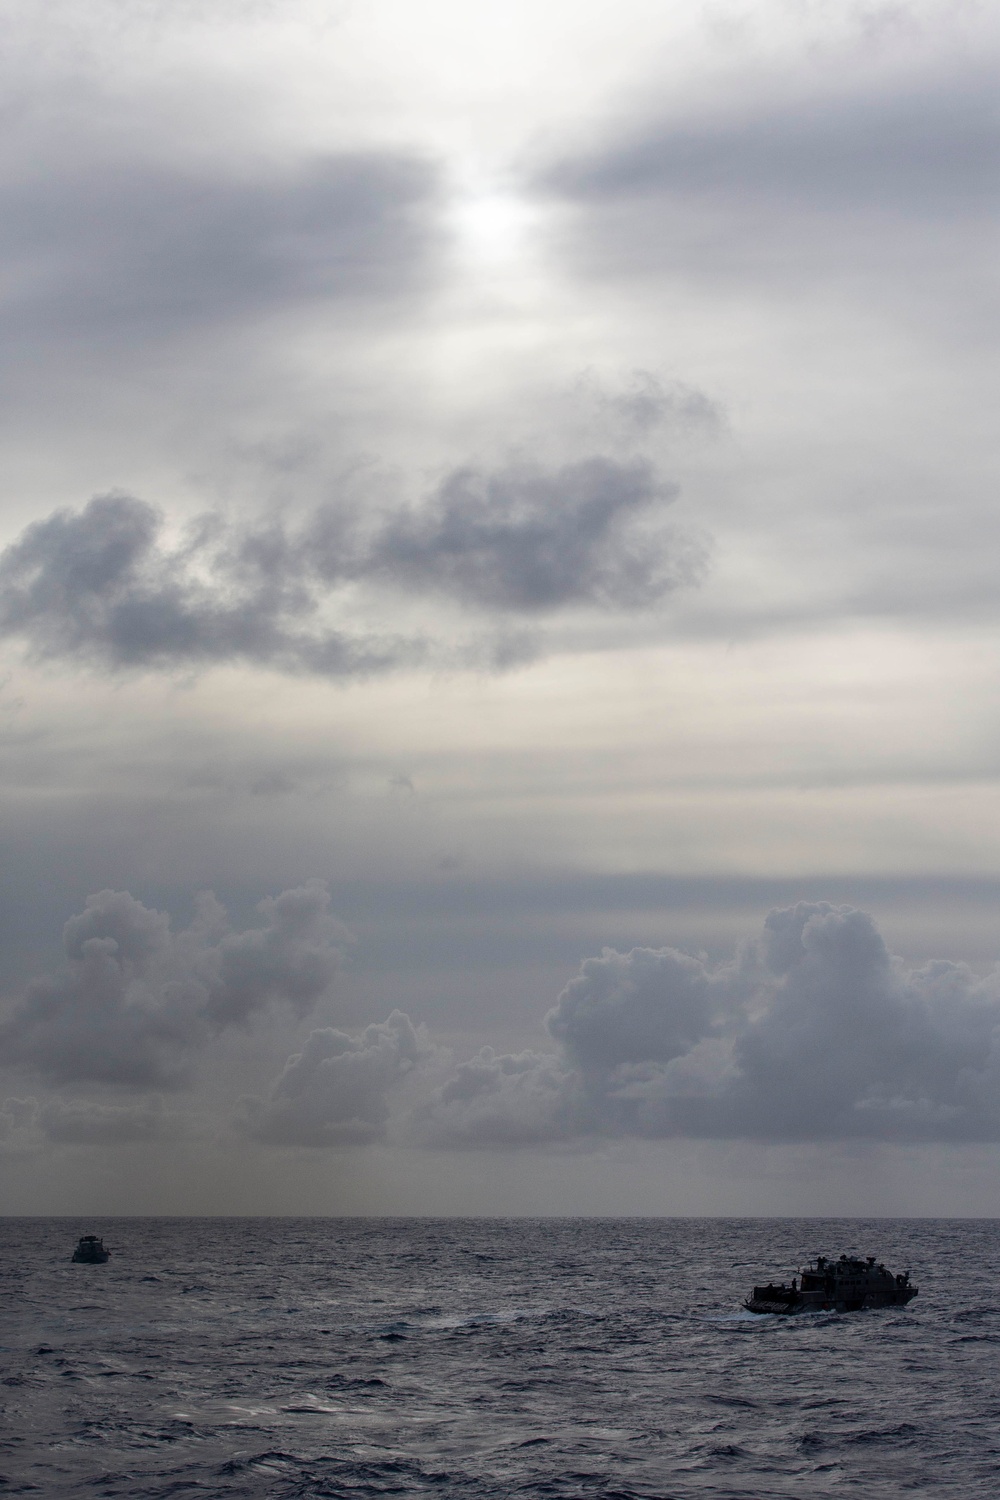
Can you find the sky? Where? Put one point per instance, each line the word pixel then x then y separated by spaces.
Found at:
pixel 499 704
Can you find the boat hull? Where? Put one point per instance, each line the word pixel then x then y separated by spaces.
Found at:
pixel 812 1302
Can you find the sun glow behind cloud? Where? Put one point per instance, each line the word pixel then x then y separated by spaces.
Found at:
pixel 585 416
pixel 492 227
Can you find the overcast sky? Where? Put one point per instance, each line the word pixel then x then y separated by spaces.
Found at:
pixel 499 602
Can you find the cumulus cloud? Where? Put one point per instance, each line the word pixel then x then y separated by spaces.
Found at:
pixel 104 584
pixel 136 1000
pixel 814 1031
pixel 853 1041
pixel 336 1090
pixel 648 1004
pixel 505 1099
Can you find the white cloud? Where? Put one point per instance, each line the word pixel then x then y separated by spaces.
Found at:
pixel 815 1031
pixel 504 1100
pixel 336 1090
pixel 650 1004
pixel 136 1000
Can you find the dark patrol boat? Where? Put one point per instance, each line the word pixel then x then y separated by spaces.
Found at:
pixel 844 1285
pixel 90 1251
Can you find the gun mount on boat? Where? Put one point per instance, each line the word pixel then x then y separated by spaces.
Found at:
pixel 844 1285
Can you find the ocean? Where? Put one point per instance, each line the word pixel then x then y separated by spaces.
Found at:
pixel 488 1358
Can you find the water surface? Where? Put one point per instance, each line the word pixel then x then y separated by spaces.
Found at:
pixel 491 1358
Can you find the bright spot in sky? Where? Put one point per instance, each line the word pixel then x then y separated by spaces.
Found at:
pixel 491 225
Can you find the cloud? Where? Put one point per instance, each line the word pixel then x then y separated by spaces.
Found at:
pixel 649 1004
pixel 336 1090
pixel 131 251
pixel 645 402
pixel 527 539
pixel 136 1000
pixel 26 1125
pixel 19 1125
pixel 851 172
pixel 853 1041
pixel 85 1123
pixel 815 1031
pixel 102 584
pixel 293 957
pixel 511 1099
pixel 922 149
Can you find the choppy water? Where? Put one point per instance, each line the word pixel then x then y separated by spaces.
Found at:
pixel 490 1358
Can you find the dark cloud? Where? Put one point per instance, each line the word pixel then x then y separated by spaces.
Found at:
pixel 534 540
pixel 137 250
pixel 814 1032
pixel 136 1000
pixel 335 1091
pixel 920 151
pixel 102 583
pixel 846 175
